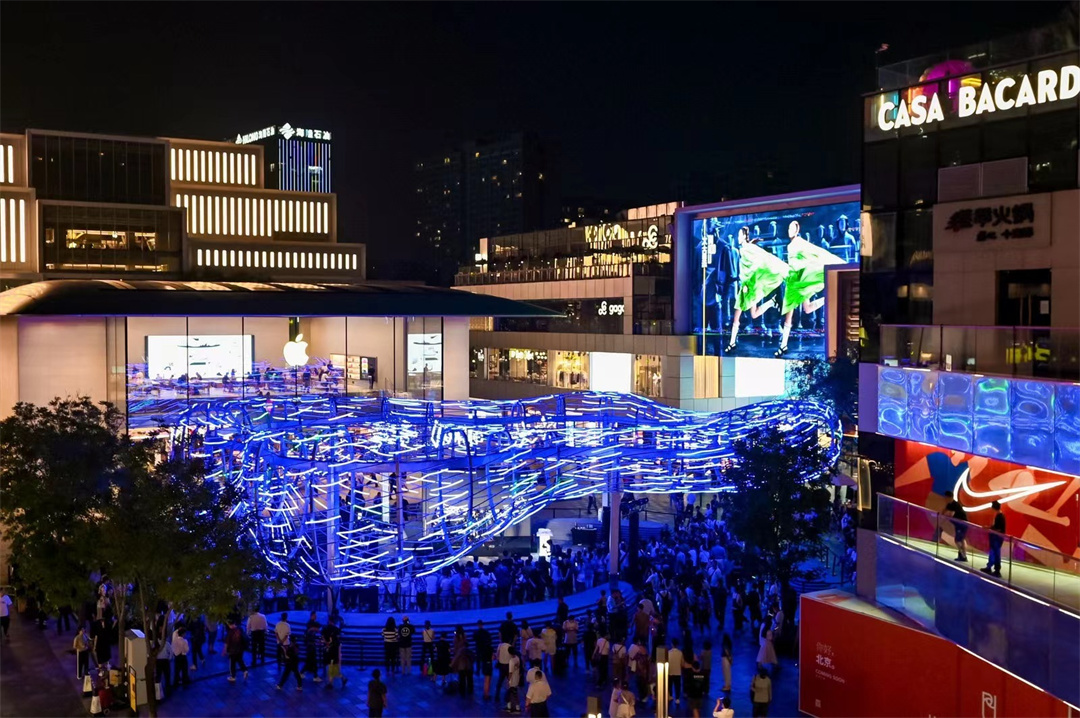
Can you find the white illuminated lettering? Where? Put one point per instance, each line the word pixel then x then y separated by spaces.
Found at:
pixel 1025 95
pixel 986 101
pixel 903 119
pixel 966 101
pixel 934 114
pixel 1047 81
pixel 918 110
pixel 999 94
pixel 1069 87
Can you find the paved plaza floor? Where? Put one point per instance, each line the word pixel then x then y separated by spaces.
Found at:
pixel 37 678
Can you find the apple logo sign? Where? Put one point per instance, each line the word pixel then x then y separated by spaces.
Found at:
pixel 295 352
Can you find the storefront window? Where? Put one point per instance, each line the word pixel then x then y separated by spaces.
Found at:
pixel 529 366
pixel 572 370
pixel 425 362
pixel 476 362
pixel 648 375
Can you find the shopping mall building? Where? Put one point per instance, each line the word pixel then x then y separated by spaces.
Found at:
pixel 648 301
pixel 969 384
pixel 148 269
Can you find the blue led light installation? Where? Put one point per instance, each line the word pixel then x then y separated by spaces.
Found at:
pixel 470 469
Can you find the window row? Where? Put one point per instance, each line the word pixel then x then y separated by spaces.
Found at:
pixel 274 259
pixel 213 166
pixel 7 164
pixel 94 169
pixel 95 238
pixel 253 216
pixel 13 230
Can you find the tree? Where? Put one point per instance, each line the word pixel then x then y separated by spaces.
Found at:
pixel 834 382
pixel 779 505
pixel 56 464
pixel 78 489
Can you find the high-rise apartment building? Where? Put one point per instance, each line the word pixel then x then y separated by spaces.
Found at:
pixel 480 188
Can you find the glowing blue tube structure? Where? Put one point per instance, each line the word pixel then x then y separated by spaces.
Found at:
pixel 350 491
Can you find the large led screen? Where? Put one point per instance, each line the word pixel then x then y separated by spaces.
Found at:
pixel 759 279
pixel 174 356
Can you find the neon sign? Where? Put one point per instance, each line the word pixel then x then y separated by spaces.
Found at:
pixel 286 130
pixel 1031 89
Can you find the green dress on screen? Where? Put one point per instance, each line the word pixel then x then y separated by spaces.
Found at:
pixel 807 276
pixel 760 273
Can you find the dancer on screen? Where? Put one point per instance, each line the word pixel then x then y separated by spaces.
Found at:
pixel 760 274
pixel 806 278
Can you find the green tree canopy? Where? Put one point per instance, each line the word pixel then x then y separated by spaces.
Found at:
pixel 779 507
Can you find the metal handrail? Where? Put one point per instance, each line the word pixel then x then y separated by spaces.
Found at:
pixel 1065 563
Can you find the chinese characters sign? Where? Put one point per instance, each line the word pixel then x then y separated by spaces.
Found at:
pixel 993 223
pixel 286 131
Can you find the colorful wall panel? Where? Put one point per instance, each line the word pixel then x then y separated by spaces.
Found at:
pixel 1026 421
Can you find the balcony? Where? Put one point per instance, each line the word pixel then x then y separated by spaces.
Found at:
pixel 1024 622
pixel 475 276
pixel 1022 352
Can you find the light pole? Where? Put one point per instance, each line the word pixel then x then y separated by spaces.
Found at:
pixel 661 683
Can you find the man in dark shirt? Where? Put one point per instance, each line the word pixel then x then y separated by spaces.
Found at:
pixel 997 538
pixel 484 655
pixel 695 688
pixel 405 636
pixel 508 629
pixel 376 695
pixel 956 511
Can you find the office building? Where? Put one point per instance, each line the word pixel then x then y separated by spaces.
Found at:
pixel 296 159
pixel 969 394
pixel 101 206
pixel 480 188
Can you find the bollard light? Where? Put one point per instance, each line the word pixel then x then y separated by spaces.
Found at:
pixel 661 683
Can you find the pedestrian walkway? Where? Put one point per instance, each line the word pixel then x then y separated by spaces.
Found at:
pixel 42 683
pixel 33 681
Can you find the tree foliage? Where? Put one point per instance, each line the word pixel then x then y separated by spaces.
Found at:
pixel 779 506
pixel 80 494
pixel 834 382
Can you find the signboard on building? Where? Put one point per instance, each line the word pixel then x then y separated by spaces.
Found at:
pixel 285 131
pixel 1000 223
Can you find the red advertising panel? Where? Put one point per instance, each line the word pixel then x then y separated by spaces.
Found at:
pixel 1040 506
pixel 855 664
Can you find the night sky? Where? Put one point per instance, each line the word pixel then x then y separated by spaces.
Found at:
pixel 633 96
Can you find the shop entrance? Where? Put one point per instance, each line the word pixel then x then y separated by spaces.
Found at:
pixel 1023 298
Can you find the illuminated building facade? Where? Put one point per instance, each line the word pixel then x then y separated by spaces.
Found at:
pixel 295 159
pixel 969 391
pixel 87 205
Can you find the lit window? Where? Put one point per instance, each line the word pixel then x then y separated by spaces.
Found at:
pixel 198 257
pixel 264 258
pixel 217 259
pixel 172 159
pixel 247 258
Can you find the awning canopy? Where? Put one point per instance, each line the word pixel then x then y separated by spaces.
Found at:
pixel 141 297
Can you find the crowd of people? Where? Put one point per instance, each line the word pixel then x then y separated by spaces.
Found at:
pixel 692 604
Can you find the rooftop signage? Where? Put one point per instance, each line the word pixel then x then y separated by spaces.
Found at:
pixel 286 131
pixel 925 104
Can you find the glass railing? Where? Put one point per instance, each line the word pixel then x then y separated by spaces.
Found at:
pixel 1025 566
pixel 475 276
pixel 1037 352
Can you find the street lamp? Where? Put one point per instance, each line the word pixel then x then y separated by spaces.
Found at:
pixel 661 683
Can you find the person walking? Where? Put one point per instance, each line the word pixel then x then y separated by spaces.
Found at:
pixel 570 639
pixel 502 656
pixel 696 687
pixel 256 630
pixel 332 636
pixel 311 649
pixel 5 614
pixel 600 658
pixel 537 696
pixel 163 667
pixel 197 637
pixel 82 652
pixel 442 659
pixel 997 538
pixel 390 646
pixel 955 510
pixel 727 657
pixel 675 666
pixel 404 644
pixel 761 693
pixel 377 695
pixel 282 631
pixel 640 668
pixel 513 680
pixel 766 657
pixel 292 665
pixel 484 655
pixel 234 648
pixel 180 649
pixel 461 664
pixel 427 649
pixel 551 639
